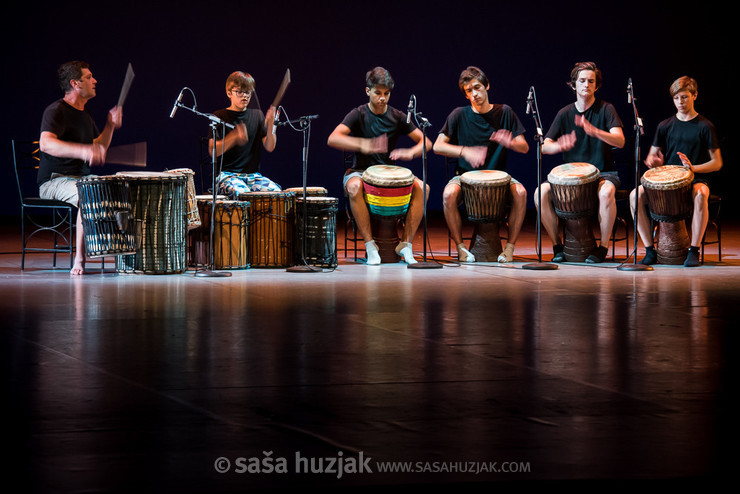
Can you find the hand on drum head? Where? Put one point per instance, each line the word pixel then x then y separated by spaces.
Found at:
pixel 685 160
pixel 374 145
pixel 475 155
pixel 654 159
pixel 404 154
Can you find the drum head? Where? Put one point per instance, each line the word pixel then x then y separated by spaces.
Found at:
pixel 667 177
pixel 144 174
pixel 485 177
pixel 573 174
pixel 388 176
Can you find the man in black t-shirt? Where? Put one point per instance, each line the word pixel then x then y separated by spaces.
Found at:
pixel 371 132
pixel 688 139
pixel 480 135
pixel 242 147
pixel 585 131
pixel 70 143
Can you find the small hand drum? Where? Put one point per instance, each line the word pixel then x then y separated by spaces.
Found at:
pixel 388 195
pixel 316 237
pixel 310 191
pixel 668 190
pixel 105 206
pixel 574 189
pixel 485 193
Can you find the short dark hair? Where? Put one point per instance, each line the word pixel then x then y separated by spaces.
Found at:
pixel 70 71
pixel 379 77
pixel 470 73
pixel 684 83
pixel 580 66
pixel 240 80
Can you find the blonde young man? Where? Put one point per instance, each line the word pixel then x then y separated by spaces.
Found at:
pixel 371 132
pixel 480 135
pixel 585 131
pixel 685 139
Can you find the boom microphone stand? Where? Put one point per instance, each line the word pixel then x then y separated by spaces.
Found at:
pixel 304 126
pixel 424 125
pixel 532 108
pixel 638 132
pixel 215 121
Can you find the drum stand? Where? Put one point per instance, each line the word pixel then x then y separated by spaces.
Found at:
pixel 214 122
pixel 635 266
pixel 304 125
pixel 424 125
pixel 532 107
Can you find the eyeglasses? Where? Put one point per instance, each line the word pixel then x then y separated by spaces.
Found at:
pixel 241 93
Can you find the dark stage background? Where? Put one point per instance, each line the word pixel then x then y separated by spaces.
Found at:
pixel 328 46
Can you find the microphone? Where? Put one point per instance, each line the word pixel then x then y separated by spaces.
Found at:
pixel 174 107
pixel 530 99
pixel 410 109
pixel 629 90
pixel 276 121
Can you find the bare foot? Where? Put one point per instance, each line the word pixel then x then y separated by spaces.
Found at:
pixel 78 268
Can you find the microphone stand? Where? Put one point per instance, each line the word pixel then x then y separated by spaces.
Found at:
pixel 304 125
pixel 532 107
pixel 214 122
pixel 638 132
pixel 424 125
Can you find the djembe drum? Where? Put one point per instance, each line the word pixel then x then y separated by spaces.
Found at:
pixel 230 234
pixel 485 193
pixel 270 228
pixel 310 191
pixel 316 237
pixel 668 190
pixel 387 194
pixel 192 203
pixel 574 189
pixel 105 206
pixel 159 213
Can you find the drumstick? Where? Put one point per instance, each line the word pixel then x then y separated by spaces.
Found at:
pixel 283 87
pixel 127 154
pixel 126 85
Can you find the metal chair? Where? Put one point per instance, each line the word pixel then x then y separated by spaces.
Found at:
pixel 41 215
pixel 715 204
pixel 349 223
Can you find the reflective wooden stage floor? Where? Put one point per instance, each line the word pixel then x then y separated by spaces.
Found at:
pixel 472 376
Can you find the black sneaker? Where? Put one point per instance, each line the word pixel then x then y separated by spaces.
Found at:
pixel 558 250
pixel 651 257
pixel 692 258
pixel 598 255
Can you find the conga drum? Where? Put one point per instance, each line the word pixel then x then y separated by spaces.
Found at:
pixel 387 194
pixel 485 193
pixel 105 206
pixel 159 213
pixel 316 232
pixel 574 189
pixel 310 191
pixel 271 227
pixel 668 190
pixel 230 234
pixel 192 202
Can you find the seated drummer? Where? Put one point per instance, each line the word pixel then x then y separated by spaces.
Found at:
pixel 242 146
pixel 687 139
pixel 480 135
pixel 585 131
pixel 70 143
pixel 370 131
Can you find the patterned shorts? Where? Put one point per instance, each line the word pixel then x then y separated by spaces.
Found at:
pixel 233 184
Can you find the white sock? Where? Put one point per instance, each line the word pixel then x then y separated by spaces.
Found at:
pixel 371 250
pixel 463 254
pixel 404 250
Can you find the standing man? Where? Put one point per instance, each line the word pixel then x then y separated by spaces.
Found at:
pixel 242 147
pixel 70 143
pixel 689 139
pixel 585 131
pixel 480 135
pixel 370 131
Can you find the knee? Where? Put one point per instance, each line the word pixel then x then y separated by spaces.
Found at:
pixel 353 188
pixel 451 197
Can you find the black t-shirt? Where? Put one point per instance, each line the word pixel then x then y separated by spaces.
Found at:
pixel 464 127
pixel 246 158
pixel 693 138
pixel 71 125
pixel 364 123
pixel 587 149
